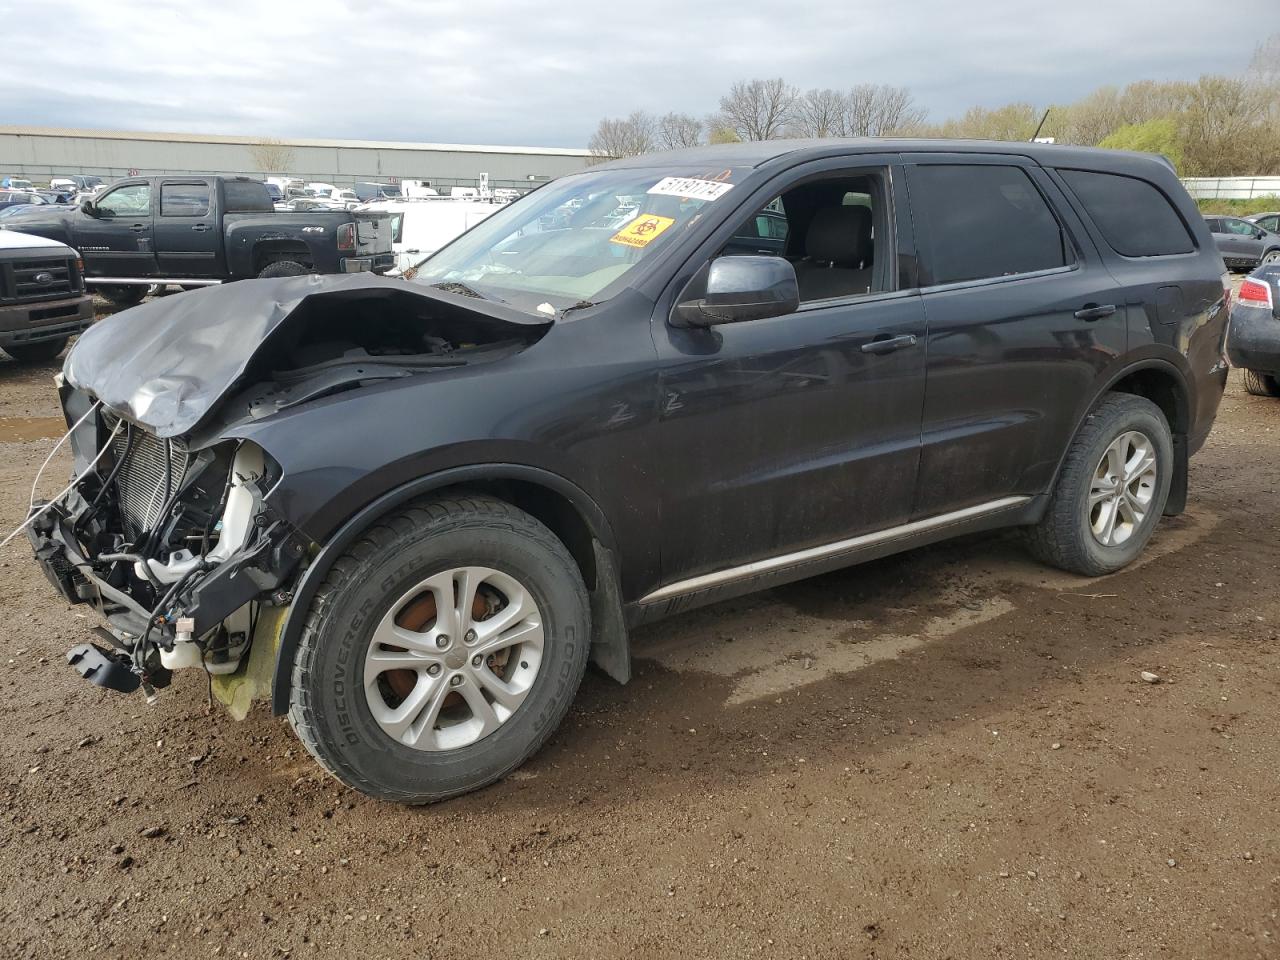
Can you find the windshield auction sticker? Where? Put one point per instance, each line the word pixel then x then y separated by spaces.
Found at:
pixel 690 188
pixel 642 231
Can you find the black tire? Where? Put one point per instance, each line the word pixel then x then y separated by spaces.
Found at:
pixel 41 352
pixel 284 268
pixel 1064 536
pixel 122 294
pixel 328 707
pixel 1261 384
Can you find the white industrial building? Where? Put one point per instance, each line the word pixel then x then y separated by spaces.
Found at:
pixel 37 153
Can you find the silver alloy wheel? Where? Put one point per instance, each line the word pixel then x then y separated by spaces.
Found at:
pixel 1271 257
pixel 469 671
pixel 1124 484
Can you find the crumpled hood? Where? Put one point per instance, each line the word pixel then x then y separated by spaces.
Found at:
pixel 167 363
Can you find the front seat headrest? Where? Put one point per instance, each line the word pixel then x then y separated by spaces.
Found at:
pixel 840 236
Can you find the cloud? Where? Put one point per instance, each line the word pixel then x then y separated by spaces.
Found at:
pixel 486 71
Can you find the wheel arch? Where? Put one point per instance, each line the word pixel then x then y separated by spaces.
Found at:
pixel 564 507
pixel 267 252
pixel 1165 385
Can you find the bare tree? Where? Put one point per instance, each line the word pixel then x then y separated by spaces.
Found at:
pixel 820 113
pixel 758 109
pixel 676 130
pixel 1264 68
pixel 1014 121
pixel 877 110
pixel 717 132
pixel 626 137
pixel 271 155
pixel 1226 129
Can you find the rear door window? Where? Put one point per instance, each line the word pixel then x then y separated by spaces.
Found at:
pixel 1134 217
pixel 184 199
pixel 985 221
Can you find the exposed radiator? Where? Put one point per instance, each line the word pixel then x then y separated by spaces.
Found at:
pixel 141 481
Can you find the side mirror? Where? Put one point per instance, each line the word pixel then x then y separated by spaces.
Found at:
pixel 88 209
pixel 741 289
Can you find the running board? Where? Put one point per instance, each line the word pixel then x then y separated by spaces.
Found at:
pixel 758 568
pixel 148 281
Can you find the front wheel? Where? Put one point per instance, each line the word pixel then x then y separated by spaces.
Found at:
pixel 1270 257
pixel 1261 384
pixel 441 651
pixel 41 352
pixel 1111 490
pixel 122 294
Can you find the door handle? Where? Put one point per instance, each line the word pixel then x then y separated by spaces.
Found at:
pixel 1093 311
pixel 200 227
pixel 138 227
pixel 889 344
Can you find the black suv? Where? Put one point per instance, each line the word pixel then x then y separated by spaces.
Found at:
pixel 421 508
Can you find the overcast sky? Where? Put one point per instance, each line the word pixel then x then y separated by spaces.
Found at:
pixel 488 71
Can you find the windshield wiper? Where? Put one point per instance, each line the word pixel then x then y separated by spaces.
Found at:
pixel 460 289
pixel 580 305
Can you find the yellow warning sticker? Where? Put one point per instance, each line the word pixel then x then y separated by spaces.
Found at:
pixel 642 231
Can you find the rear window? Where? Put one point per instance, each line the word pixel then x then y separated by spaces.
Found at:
pixel 985 221
pixel 246 196
pixel 1132 215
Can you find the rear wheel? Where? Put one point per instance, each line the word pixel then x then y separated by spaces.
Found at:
pixel 41 352
pixel 122 294
pixel 1111 491
pixel 1261 384
pixel 442 650
pixel 283 268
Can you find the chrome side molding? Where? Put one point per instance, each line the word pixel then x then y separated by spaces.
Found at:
pixel 757 567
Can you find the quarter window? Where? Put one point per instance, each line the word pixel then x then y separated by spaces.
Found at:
pixel 184 199
pixel 131 200
pixel 985 221
pixel 1134 217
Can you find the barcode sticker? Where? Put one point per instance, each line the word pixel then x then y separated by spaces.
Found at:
pixel 691 188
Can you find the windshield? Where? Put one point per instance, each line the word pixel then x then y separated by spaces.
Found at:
pixel 391 191
pixel 576 239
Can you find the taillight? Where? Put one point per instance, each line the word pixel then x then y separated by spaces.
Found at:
pixel 347 236
pixel 1255 293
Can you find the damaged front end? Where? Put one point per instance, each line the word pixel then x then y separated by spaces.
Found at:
pixel 186 535
pixel 179 549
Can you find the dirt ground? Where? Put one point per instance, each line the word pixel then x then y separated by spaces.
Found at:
pixel 944 754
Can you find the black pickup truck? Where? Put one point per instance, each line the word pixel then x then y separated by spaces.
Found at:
pixel 195 231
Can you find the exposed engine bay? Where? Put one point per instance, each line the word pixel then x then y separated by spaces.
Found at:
pixel 170 530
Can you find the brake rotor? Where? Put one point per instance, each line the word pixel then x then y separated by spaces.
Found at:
pixel 415 616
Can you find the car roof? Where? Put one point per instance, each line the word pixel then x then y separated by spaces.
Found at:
pixel 758 153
